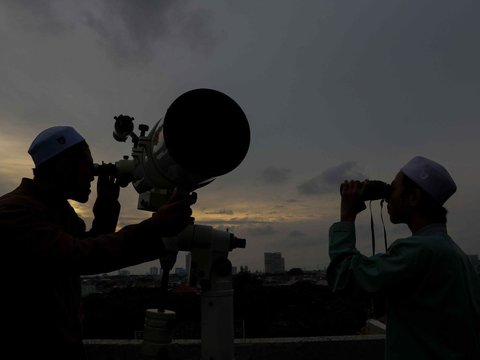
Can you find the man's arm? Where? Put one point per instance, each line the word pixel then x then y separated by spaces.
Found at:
pixel 106 209
pixel 352 274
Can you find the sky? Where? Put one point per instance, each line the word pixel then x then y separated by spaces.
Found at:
pixel 332 90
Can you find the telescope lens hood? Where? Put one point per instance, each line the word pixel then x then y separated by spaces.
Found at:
pixel 206 132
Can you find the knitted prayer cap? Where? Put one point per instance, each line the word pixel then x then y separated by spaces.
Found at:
pixel 52 142
pixel 431 177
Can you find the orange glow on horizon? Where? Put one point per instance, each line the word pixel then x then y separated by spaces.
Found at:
pixel 82 210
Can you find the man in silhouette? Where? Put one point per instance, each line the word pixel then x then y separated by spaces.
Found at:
pixel 431 289
pixel 46 247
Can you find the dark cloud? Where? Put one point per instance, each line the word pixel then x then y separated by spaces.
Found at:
pixel 197 32
pixel 132 30
pixel 220 212
pixel 295 233
pixel 299 242
pixel 272 175
pixel 331 178
pixel 43 17
pixel 405 63
pixel 261 230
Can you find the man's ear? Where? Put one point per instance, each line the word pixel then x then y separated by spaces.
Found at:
pixel 414 197
pixel 64 169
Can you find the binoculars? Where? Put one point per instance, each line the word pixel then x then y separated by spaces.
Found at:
pixel 375 190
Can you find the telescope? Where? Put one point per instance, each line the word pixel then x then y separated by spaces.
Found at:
pixel 204 134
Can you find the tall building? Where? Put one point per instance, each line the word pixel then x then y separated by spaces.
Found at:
pixel 188 262
pixel 153 270
pixel 180 272
pixel 274 263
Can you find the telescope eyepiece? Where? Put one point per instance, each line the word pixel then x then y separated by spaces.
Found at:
pixel 104 169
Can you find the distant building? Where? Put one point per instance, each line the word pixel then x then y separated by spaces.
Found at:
pixel 180 272
pixel 154 270
pixel 188 262
pixel 123 272
pixel 274 263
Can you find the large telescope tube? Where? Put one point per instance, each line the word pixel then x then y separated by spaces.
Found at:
pixel 204 134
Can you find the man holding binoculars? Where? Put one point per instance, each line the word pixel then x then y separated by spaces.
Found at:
pixel 431 290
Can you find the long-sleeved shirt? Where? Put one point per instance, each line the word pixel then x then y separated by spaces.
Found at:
pixel 431 290
pixel 45 249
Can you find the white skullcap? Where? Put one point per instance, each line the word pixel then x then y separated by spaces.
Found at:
pixel 431 177
pixel 53 141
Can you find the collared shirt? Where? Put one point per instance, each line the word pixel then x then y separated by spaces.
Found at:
pixel 431 289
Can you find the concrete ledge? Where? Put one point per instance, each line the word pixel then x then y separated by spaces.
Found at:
pixel 355 347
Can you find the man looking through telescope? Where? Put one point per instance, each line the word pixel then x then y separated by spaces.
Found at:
pixel 46 247
pixel 431 289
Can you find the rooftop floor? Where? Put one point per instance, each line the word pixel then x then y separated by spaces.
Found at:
pixel 356 347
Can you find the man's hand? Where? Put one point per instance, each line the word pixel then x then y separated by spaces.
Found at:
pixel 108 189
pixel 351 203
pixel 174 216
pixel 106 208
